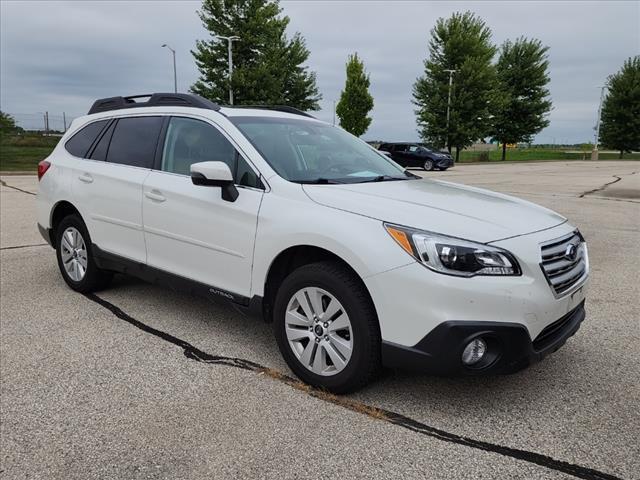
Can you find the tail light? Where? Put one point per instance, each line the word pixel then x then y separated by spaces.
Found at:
pixel 43 166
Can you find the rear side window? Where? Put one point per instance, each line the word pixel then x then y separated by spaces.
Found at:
pixel 134 141
pixel 100 150
pixel 79 144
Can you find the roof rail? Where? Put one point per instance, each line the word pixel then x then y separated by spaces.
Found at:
pixel 277 108
pixel 154 100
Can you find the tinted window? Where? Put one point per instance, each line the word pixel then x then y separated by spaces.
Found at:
pixel 245 175
pixel 191 141
pixel 134 141
pixel 79 144
pixel 100 150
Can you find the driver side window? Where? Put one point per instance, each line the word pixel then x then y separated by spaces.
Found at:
pixel 191 141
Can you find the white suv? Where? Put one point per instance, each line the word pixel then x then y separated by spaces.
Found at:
pixel 357 262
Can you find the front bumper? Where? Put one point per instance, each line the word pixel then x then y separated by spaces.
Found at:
pixel 444 162
pixel 510 347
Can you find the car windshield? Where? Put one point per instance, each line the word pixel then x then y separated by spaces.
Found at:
pixel 307 151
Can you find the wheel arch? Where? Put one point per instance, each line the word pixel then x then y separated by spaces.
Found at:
pixel 294 257
pixel 59 211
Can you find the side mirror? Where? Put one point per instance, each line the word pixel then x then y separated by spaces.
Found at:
pixel 215 174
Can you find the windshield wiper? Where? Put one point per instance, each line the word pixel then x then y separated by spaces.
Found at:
pixel 319 181
pixel 411 175
pixel 383 178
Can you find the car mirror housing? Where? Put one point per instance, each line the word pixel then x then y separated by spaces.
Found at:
pixel 215 174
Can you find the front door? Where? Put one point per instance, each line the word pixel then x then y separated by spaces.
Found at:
pixel 399 155
pixel 189 229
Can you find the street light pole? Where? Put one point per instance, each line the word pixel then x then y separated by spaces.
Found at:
pixel 175 75
pixel 594 152
pixel 451 72
pixel 230 41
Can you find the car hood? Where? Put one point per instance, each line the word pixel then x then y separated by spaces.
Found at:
pixel 438 206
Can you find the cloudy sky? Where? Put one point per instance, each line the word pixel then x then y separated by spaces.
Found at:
pixel 60 56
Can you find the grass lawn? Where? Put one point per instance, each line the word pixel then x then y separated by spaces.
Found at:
pixel 532 154
pixel 22 153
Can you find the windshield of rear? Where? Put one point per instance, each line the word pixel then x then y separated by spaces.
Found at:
pixel 311 152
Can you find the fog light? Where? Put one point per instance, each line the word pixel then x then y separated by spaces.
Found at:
pixel 474 351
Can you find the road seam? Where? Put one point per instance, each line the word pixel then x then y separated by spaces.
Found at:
pixel 194 353
pixel 24 246
pixel 4 184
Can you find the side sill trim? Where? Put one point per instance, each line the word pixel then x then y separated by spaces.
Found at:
pixel 116 263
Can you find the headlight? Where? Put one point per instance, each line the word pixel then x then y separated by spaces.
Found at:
pixel 453 256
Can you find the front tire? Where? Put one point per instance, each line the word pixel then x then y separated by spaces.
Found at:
pixel 326 327
pixel 428 165
pixel 75 259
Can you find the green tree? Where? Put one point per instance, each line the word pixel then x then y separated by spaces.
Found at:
pixel 355 100
pixel 7 123
pixel 267 66
pixel 620 127
pixel 522 102
pixel 461 43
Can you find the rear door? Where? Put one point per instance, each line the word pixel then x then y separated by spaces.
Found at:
pixel 189 229
pixel 109 186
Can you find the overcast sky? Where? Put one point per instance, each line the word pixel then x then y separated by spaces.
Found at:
pixel 60 56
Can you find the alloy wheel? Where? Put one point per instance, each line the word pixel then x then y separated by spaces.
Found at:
pixel 74 254
pixel 319 331
pixel 428 165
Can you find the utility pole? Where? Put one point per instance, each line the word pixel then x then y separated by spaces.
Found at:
pixel 594 152
pixel 175 75
pixel 451 72
pixel 334 112
pixel 64 121
pixel 46 123
pixel 230 40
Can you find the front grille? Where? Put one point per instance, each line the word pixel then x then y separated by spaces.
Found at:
pixel 564 262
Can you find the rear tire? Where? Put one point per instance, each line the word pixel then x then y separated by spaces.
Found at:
pixel 75 256
pixel 332 340
pixel 428 165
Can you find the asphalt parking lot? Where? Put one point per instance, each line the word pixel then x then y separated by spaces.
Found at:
pixel 141 382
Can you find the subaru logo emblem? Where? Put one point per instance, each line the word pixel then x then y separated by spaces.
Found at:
pixel 571 252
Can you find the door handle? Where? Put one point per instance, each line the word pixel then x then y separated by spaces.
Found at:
pixel 155 195
pixel 86 178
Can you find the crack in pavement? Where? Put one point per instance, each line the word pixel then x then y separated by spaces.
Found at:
pixel 599 189
pixel 24 246
pixel 194 353
pixel 5 184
